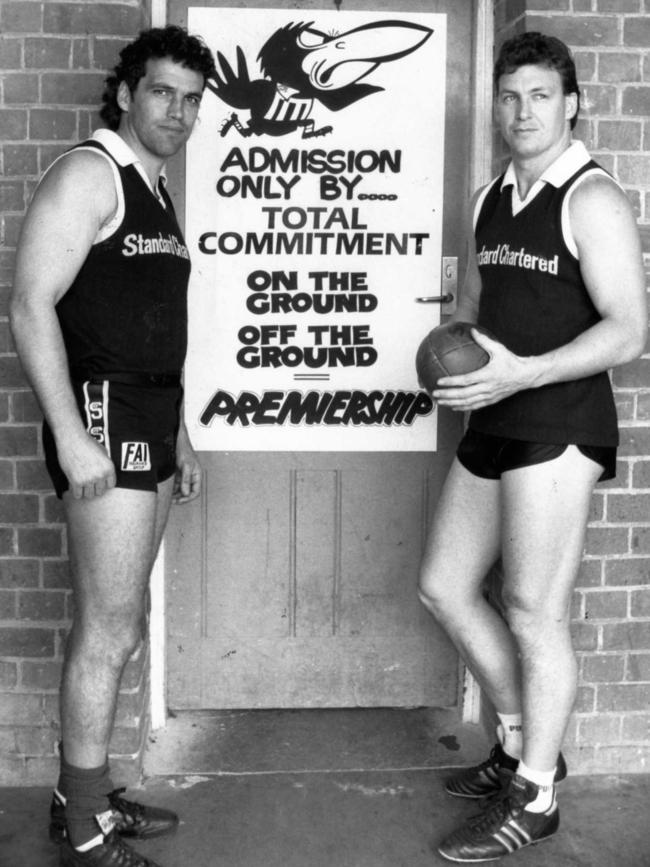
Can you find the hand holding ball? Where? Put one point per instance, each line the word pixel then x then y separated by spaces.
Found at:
pixel 449 350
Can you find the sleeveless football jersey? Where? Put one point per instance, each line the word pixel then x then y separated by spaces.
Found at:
pixel 126 310
pixel 533 299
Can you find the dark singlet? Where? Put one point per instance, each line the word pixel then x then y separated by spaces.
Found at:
pixel 127 307
pixel 534 300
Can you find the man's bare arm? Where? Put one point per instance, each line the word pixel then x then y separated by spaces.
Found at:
pixel 75 198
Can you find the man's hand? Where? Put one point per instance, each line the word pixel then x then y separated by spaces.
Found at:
pixel 187 483
pixel 89 470
pixel 503 375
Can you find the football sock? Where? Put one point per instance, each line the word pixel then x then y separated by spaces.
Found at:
pixel 545 799
pixel 85 794
pixel 509 733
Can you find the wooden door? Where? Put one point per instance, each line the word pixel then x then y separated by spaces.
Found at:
pixel 292 582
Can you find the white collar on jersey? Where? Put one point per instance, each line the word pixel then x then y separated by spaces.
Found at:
pixel 567 164
pixel 124 156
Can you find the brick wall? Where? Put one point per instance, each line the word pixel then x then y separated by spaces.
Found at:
pixel 53 60
pixel 53 57
pixel 610 729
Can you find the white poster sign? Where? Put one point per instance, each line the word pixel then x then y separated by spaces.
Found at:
pixel 314 220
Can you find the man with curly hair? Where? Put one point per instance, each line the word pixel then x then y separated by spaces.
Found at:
pixel 99 316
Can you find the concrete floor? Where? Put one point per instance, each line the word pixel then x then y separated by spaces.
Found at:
pixel 333 789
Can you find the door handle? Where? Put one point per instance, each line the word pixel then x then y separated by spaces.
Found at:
pixel 448 286
pixel 435 299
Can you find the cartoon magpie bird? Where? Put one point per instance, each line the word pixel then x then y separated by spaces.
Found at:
pixel 302 65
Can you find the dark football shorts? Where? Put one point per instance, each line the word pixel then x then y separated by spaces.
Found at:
pixel 489 456
pixel 136 423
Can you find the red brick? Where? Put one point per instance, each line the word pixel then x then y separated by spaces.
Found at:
pixel 56 573
pixel 10 53
pixel 48 153
pixel 585 699
pixel 20 710
pixel 20 160
pixel 32 476
pixel 619 6
pixel 106 52
pixel 641 474
pixel 4 407
pixel 617 135
pixel 88 121
pixel 602 729
pixel 20 16
pixel 626 636
pixel 80 54
pixel 15 572
pixel 26 642
pixel 12 196
pixel 584 636
pixel 41 675
pixel 6 339
pixel 93 18
pixel 629 572
pixel 603 668
pixel 72 88
pixel 601 99
pixel 588 30
pixel 638 667
pixel 597 507
pixel 39 542
pixel 8 675
pixel 57 124
pixel 33 741
pixel 585 62
pixel 20 88
pixel 19 440
pixel 622 697
pixel 7 546
pixel 18 508
pixel 54 512
pixel 636 32
pixel 589 574
pixel 605 605
pixel 8 599
pixel 643 411
pixel 11 373
pixel 41 605
pixel 48 52
pixel 13 122
pixel 621 759
pixel 619 67
pixel 7 478
pixel 634 198
pixel 586 131
pixel 636 101
pixel 606 540
pixel 627 508
pixel 636 727
pixel 640 606
pixel 24 407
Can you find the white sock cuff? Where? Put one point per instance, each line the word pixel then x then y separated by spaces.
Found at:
pixel 511 722
pixel 540 778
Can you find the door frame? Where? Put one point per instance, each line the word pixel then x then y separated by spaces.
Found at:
pixel 480 173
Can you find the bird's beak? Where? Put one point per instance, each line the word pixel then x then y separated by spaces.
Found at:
pixel 351 56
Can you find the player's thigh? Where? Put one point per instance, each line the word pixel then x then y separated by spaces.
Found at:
pixel 111 542
pixel 544 512
pixel 464 537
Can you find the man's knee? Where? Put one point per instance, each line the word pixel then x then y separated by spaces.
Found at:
pixel 111 637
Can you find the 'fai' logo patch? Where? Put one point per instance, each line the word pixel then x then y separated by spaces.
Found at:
pixel 135 457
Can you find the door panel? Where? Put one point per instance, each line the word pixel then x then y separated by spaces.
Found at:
pixel 292 583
